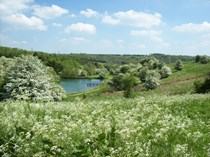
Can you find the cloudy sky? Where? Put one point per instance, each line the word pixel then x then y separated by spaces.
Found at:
pixel 107 26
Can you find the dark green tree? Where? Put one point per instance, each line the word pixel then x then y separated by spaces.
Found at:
pixel 118 82
pixel 197 58
pixel 203 86
pixel 124 69
pixel 129 83
pixel 179 65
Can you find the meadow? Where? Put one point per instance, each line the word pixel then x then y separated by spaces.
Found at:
pixel 143 126
pixel 170 120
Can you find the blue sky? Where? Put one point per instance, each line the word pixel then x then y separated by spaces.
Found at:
pixel 107 26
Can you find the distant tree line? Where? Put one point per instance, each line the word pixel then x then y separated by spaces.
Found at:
pixel 64 65
pixel 83 65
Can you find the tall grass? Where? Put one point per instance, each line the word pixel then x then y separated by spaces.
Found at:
pixel 144 126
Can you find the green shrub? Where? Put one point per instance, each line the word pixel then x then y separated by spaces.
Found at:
pixel 204 59
pixel 143 73
pixel 118 82
pixel 202 86
pixel 84 73
pixel 152 80
pixel 101 75
pixel 129 83
pixel 165 72
pixel 197 58
pixel 161 64
pixel 29 79
pixel 179 65
pixel 5 64
pixel 124 69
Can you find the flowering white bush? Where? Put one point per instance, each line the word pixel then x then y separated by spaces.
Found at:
pixel 165 72
pixel 152 79
pixel 29 79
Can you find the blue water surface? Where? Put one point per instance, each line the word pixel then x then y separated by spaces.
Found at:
pixel 79 85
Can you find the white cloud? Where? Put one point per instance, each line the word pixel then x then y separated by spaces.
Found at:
pixel 81 27
pixel 109 20
pixel 72 15
pixel 133 18
pixel 6 40
pixel 137 45
pixel 75 40
pixel 13 6
pixel 24 21
pixel 148 33
pixel 89 13
pixel 193 28
pixel 12 13
pixel 14 42
pixel 57 24
pixel 152 34
pixel 49 12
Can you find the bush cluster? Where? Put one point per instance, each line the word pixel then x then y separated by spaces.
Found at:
pixel 149 71
pixel 28 79
pixel 152 72
pixel 202 59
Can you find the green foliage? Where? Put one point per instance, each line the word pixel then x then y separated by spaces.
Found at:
pixel 150 62
pixel 204 59
pixel 202 86
pixel 153 63
pixel 64 65
pixel 84 73
pixel 5 64
pixel 179 65
pixel 29 79
pixel 70 65
pixel 161 64
pixel 143 73
pixel 165 72
pixel 101 76
pixel 197 58
pixel 118 82
pixel 129 83
pixel 124 69
pixel 125 82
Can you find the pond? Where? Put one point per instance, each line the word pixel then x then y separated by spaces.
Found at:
pixel 79 85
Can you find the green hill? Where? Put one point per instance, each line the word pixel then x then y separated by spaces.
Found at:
pixel 180 82
pixel 83 65
pixel 168 121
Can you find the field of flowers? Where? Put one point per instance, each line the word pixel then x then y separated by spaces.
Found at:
pixel 167 126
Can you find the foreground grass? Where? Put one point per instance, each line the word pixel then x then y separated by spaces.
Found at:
pixel 144 126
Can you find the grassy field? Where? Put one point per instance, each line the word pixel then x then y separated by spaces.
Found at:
pixel 182 82
pixel 144 126
pixel 169 121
